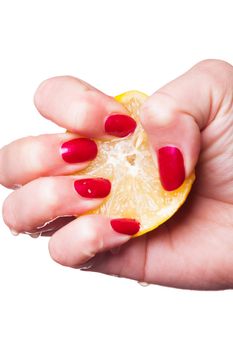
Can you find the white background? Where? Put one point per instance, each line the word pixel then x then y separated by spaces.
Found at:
pixel 116 46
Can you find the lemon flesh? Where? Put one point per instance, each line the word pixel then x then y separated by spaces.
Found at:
pixel 128 163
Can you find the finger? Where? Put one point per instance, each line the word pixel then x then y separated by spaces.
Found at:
pixel 46 198
pixel 174 116
pixel 80 108
pixel 83 238
pixel 35 156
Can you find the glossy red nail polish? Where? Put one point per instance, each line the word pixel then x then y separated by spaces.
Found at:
pixel 93 187
pixel 120 125
pixel 126 226
pixel 171 167
pixel 79 150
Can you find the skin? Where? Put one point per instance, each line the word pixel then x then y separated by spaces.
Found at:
pixel 194 249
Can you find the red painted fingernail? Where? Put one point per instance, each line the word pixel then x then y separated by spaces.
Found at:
pixel 120 125
pixel 93 188
pixel 79 150
pixel 171 167
pixel 126 226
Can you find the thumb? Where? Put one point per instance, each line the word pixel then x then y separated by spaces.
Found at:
pixel 175 115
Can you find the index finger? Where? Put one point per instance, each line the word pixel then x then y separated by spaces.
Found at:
pixel 76 105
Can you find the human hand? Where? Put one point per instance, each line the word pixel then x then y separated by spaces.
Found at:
pixel 191 250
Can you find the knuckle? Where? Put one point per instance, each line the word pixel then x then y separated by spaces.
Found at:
pixel 82 113
pixel 26 151
pixel 3 167
pixel 8 213
pixel 213 66
pixel 93 239
pixel 147 114
pixel 46 87
pixel 219 74
pixel 95 244
pixel 30 150
pixel 89 243
pixel 157 111
pixel 56 253
pixel 41 91
pixel 48 193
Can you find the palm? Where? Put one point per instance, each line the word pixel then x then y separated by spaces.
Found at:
pixel 194 248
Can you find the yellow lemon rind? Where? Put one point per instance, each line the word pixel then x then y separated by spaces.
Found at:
pixel 188 187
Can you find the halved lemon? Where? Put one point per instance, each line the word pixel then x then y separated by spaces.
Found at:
pixel 136 189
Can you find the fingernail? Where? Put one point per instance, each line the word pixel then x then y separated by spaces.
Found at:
pixel 120 125
pixel 125 226
pixel 171 167
pixel 93 188
pixel 78 150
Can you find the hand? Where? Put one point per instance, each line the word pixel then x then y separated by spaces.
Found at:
pixel 194 113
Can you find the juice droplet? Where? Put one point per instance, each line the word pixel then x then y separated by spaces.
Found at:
pixel 34 234
pixel 16 186
pixel 143 284
pixel 14 233
pixel 86 266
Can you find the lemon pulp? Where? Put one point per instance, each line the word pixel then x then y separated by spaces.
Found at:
pixel 128 163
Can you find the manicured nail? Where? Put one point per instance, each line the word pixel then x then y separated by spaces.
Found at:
pixel 120 125
pixel 171 167
pixel 79 150
pixel 126 226
pixel 93 188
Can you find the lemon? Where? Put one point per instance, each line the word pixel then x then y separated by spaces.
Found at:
pixel 128 163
